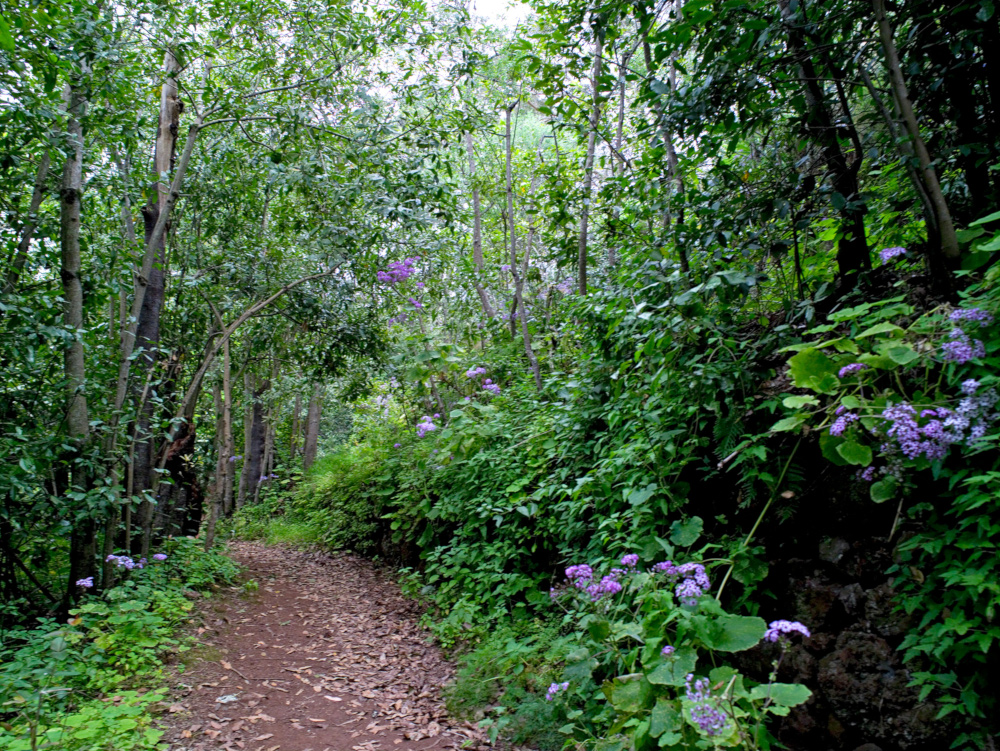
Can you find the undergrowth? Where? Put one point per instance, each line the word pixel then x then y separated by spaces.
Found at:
pixel 94 682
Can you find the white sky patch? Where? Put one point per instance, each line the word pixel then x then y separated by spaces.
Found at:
pixel 504 13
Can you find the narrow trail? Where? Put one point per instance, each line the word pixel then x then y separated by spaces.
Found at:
pixel 326 656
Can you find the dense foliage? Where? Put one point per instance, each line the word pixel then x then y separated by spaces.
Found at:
pixel 712 280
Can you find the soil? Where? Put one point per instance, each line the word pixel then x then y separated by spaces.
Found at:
pixel 326 655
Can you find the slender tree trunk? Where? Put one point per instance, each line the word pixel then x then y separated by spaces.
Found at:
pixel 588 167
pixel 518 276
pixel 852 250
pixel 221 468
pixel 312 427
pixel 82 539
pixel 946 228
pixel 148 328
pixel 477 230
pixel 28 231
pixel 296 412
pixel 249 386
pixel 227 432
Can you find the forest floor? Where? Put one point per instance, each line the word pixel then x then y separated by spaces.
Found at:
pixel 326 655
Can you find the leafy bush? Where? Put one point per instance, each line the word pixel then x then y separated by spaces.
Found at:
pixel 52 676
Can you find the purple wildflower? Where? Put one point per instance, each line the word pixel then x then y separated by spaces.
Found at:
pixel 890 253
pixel 580 575
pixel 555 689
pixel 425 426
pixel 779 629
pixel 473 372
pixel 493 388
pixel 667 651
pixel 85 583
pixel 706 712
pixel 666 567
pixel 970 387
pixel 961 348
pixel 609 585
pixel 971 314
pixel 121 561
pixel 399 271
pixel 867 474
pixel 159 557
pixel 688 592
pixel 841 423
pixel 437 416
pixel 416 303
pixel 397 445
pixel 631 560
pixel 235 458
pixel 851 369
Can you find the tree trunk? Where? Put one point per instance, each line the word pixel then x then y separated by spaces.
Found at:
pixel 852 250
pixel 477 230
pixel 82 539
pixel 221 462
pixel 946 229
pixel 518 276
pixel 228 448
pixel 293 442
pixel 588 167
pixel 148 329
pixel 28 231
pixel 253 462
pixel 312 427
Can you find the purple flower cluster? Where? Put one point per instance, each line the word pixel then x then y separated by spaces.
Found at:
pixel 706 712
pixel 399 271
pixel 123 561
pixel 960 349
pixel 505 267
pixel 265 478
pixel 85 583
pixel 397 445
pixel 780 629
pixel 844 419
pixel 582 578
pixel 667 651
pixel 971 314
pixel 160 557
pixel 473 372
pixel 694 581
pixel 851 369
pixel 555 689
pixel 631 560
pixel 235 458
pixel 890 253
pixel 493 388
pixel 942 427
pixel 425 426
pixel 416 303
pixel 401 318
pixel 565 286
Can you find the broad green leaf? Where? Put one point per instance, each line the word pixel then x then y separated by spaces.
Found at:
pixel 631 695
pixel 789 423
pixel 732 633
pixel 674 669
pixel 883 490
pixel 880 328
pixel 782 694
pixel 988 218
pixel 685 533
pixel 794 402
pixel 666 717
pixel 855 453
pixel 811 369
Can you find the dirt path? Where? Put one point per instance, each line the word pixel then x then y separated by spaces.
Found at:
pixel 326 656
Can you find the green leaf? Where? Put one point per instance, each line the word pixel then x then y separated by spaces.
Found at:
pixel 855 453
pixel 883 490
pixel 789 423
pixel 902 355
pixel 782 694
pixel 829 445
pixel 599 629
pixel 988 246
pixel 666 717
pixel 733 633
pixel 580 666
pixel 638 497
pixel 674 669
pixel 880 328
pixel 794 402
pixel 6 40
pixel 811 369
pixel 684 533
pixel 630 695
pixel 988 218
